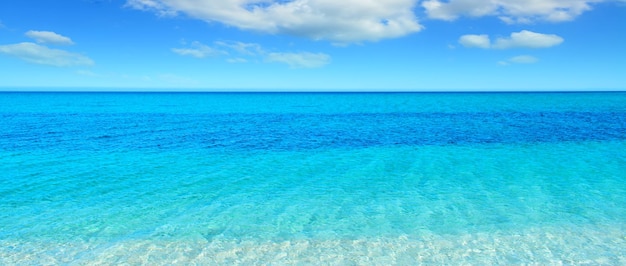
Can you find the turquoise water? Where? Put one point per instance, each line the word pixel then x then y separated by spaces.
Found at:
pixel 313 178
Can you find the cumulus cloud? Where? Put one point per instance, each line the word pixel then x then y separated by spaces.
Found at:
pixel 345 21
pixel 49 37
pixel 198 50
pixel 509 11
pixel 38 54
pixel 522 39
pixel 453 9
pixel 477 41
pixel 300 60
pixel 528 39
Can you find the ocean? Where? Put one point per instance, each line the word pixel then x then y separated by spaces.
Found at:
pixel 312 178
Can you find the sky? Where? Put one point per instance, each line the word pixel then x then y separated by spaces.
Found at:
pixel 313 45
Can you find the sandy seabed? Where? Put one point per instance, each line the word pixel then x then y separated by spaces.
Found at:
pixel 574 245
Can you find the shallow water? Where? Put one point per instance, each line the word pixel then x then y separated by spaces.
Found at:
pixel 373 178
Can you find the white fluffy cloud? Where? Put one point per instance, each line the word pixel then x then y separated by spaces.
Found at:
pixel 344 21
pixel 509 11
pixel 349 21
pixel 49 37
pixel 522 39
pixel 300 60
pixel 528 39
pixel 477 41
pixel 38 54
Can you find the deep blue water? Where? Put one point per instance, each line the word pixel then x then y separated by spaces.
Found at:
pixel 105 124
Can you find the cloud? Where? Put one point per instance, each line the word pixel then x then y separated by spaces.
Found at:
pixel 523 59
pixel 453 9
pixel 48 37
pixel 476 41
pixel 38 54
pixel 241 52
pixel 522 39
pixel 528 39
pixel 520 59
pixel 198 50
pixel 341 22
pixel 242 48
pixel 151 5
pixel 509 11
pixel 300 60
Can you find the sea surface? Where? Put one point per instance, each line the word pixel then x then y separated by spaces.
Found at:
pixel 313 178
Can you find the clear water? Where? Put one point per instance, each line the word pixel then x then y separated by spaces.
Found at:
pixel 312 178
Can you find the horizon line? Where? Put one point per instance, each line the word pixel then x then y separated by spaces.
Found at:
pixel 306 91
pixel 294 90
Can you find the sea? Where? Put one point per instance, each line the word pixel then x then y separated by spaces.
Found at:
pixel 111 178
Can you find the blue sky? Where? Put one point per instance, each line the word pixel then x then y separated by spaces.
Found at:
pixel 377 45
